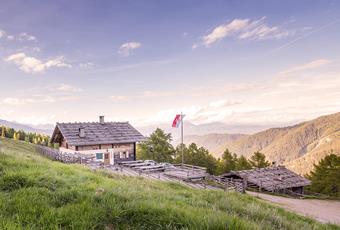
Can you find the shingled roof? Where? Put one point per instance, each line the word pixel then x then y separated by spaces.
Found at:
pixel 271 178
pixel 96 133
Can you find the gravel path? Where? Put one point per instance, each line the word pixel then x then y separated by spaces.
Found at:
pixel 325 211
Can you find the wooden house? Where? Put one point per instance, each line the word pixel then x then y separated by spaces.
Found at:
pixel 272 179
pixel 110 142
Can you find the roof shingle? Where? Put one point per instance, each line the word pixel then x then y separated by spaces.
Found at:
pixel 271 178
pixel 97 133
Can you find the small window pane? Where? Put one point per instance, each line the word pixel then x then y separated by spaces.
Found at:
pixel 99 156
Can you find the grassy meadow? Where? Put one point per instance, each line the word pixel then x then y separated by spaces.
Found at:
pixel 37 193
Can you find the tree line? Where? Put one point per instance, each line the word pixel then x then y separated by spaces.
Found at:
pixel 325 176
pixel 158 147
pixel 21 135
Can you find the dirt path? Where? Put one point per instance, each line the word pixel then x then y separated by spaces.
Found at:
pixel 325 211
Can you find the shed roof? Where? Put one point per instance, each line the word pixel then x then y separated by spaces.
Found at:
pixel 96 133
pixel 271 178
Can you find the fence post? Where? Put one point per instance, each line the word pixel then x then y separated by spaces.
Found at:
pixel 244 185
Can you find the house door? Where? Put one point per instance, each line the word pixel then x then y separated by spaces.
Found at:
pixel 106 158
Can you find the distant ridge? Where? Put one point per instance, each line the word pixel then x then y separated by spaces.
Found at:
pixel 26 128
pixel 298 146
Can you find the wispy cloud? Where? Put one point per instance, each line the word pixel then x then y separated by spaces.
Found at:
pixel 305 35
pixel 30 100
pixel 307 66
pixel 69 88
pixel 266 102
pixel 33 65
pixel 145 94
pixel 86 65
pixel 17 37
pixel 127 48
pixel 35 99
pixel 243 29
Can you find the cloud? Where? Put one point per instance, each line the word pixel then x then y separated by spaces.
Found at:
pixel 146 94
pixel 242 29
pixel 119 98
pixel 211 112
pixel 36 99
pixel 33 65
pixel 69 88
pixel 308 66
pixel 24 101
pixel 2 34
pixel 306 95
pixel 126 48
pixel 26 37
pixel 18 37
pixel 225 30
pixel 86 65
pixel 305 35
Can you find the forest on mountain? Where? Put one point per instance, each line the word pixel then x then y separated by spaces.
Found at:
pixel 298 147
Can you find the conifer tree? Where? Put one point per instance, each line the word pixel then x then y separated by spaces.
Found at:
pixel 326 176
pixel 258 160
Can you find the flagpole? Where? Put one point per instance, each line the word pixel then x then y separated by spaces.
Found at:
pixel 182 138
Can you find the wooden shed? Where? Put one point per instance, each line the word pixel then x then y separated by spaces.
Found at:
pixel 272 179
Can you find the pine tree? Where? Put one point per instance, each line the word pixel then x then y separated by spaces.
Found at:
pixel 157 147
pixel 242 163
pixel 258 160
pixel 228 162
pixel 194 155
pixel 326 176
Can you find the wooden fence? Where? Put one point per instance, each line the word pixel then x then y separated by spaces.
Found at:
pixel 230 184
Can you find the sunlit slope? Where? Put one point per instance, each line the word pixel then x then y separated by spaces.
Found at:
pixel 36 193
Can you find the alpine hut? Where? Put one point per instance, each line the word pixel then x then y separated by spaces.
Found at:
pixel 272 179
pixel 110 142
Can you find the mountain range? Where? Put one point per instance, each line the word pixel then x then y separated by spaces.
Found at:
pixel 43 129
pixel 298 146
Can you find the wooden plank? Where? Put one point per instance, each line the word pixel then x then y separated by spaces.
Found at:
pixel 129 162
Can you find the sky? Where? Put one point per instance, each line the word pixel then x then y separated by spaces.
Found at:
pixel 236 62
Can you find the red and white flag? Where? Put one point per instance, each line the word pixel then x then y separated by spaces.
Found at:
pixel 177 121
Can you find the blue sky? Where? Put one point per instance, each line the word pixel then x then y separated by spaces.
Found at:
pixel 238 62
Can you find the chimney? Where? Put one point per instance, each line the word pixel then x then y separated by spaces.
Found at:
pixel 101 119
pixel 81 132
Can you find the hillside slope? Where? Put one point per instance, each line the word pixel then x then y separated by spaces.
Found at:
pixel 298 146
pixel 36 193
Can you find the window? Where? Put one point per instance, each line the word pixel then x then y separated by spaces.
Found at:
pixel 99 156
pixel 122 154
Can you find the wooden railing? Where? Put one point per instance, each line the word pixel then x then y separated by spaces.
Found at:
pixel 238 185
pixel 190 167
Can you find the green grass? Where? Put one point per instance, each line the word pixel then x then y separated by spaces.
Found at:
pixel 37 193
